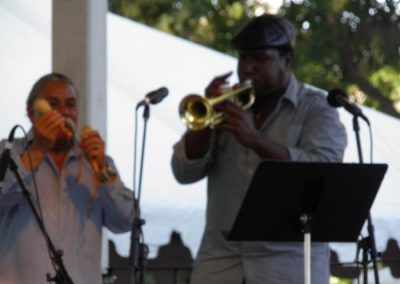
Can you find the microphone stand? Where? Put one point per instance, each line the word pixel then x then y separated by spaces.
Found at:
pixel 139 249
pixel 61 276
pixel 367 244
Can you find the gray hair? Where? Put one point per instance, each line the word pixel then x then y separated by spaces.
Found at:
pixel 36 89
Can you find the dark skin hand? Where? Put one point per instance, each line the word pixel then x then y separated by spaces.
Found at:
pixel 245 132
pixel 198 142
pixel 239 124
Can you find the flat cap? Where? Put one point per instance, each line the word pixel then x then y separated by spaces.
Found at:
pixel 266 31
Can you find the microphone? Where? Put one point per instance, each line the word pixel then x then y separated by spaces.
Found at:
pixel 41 106
pixel 93 163
pixel 6 156
pixel 338 98
pixel 154 97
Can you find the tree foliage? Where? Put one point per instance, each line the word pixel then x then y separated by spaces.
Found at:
pixel 207 22
pixel 353 44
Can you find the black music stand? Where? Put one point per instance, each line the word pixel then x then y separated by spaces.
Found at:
pixel 321 202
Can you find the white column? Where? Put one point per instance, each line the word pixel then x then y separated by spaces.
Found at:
pixel 79 51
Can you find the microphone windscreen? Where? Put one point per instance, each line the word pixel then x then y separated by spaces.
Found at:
pixel 41 106
pixel 85 131
pixel 334 97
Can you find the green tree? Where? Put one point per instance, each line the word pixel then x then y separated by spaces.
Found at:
pixel 207 22
pixel 353 44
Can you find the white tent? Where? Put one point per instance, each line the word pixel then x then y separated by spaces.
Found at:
pixel 141 59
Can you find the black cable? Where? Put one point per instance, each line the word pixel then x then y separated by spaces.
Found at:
pixel 35 187
pixel 62 276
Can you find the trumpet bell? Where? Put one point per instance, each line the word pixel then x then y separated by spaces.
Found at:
pixel 195 112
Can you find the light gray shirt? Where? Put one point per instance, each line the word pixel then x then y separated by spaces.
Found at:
pixel 312 132
pixel 74 210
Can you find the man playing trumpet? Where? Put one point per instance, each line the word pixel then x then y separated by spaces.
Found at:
pixel 288 121
pixel 73 185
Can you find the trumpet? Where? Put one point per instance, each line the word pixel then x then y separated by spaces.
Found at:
pixel 197 112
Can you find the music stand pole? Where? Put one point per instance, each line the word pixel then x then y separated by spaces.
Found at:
pixel 305 220
pixel 368 243
pixel 139 250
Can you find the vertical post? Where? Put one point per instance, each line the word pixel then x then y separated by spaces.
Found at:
pixel 369 244
pixel 306 222
pixel 79 33
pixel 79 51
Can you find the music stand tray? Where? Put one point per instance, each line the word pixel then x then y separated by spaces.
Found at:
pixel 333 198
pixel 338 197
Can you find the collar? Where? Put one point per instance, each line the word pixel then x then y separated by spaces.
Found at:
pixel 75 151
pixel 292 91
